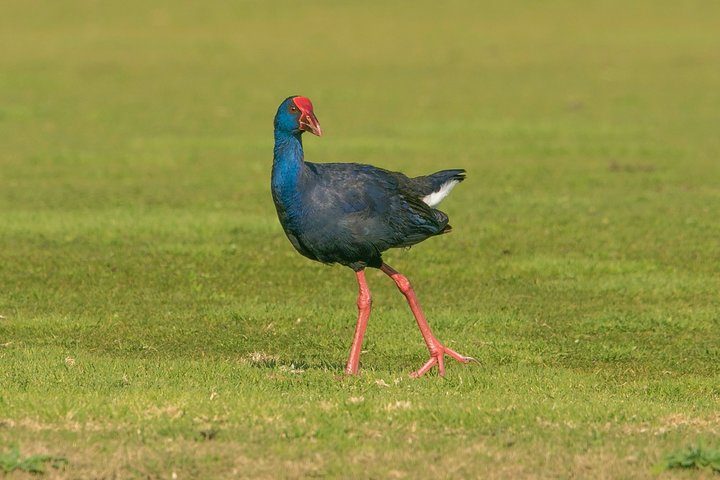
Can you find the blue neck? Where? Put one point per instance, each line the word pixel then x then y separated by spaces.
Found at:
pixel 287 163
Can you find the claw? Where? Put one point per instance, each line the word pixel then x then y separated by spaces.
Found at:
pixel 438 358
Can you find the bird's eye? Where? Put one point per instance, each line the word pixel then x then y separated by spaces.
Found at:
pixel 293 108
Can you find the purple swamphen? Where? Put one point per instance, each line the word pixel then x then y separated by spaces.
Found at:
pixel 350 213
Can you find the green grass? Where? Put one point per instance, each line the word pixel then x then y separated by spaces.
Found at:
pixel 12 460
pixel 695 457
pixel 155 320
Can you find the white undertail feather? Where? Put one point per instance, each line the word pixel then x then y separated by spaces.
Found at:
pixel 437 197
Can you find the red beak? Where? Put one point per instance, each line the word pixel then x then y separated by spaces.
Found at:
pixel 308 120
pixel 309 123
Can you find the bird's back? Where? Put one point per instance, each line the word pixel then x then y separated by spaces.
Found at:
pixel 350 213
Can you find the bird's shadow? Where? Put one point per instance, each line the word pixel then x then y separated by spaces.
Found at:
pixel 400 365
pixel 296 364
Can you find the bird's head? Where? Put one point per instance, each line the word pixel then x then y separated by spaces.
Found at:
pixel 295 115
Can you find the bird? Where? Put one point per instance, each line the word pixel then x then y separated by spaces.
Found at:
pixel 350 213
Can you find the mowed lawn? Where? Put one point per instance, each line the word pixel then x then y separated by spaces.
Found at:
pixel 156 323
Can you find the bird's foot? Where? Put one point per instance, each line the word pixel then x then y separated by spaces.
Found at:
pixel 437 357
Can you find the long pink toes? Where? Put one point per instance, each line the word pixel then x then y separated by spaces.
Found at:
pixel 438 358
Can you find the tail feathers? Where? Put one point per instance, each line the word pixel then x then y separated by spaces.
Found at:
pixel 442 183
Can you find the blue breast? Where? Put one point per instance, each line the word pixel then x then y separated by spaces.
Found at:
pixel 286 175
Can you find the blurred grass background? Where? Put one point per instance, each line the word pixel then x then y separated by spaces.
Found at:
pixel 149 294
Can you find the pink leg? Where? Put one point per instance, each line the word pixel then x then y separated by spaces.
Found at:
pixel 437 349
pixel 364 303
